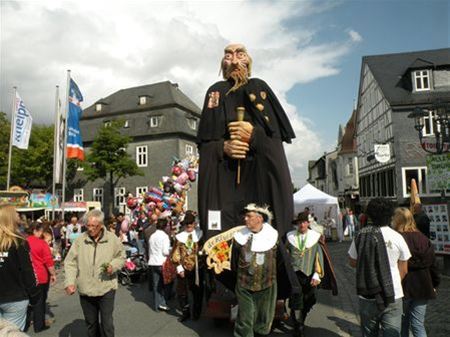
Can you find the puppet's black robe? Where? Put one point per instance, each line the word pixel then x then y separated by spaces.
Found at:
pixel 265 177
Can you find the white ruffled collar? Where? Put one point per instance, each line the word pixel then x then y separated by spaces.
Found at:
pixel 183 236
pixel 312 238
pixel 262 241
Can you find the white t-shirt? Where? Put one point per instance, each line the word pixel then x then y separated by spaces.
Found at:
pixel 159 248
pixel 397 249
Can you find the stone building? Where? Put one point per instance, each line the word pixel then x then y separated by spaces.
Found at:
pixel 391 86
pixel 162 122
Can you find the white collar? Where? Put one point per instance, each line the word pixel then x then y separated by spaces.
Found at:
pixel 262 241
pixel 196 235
pixel 311 239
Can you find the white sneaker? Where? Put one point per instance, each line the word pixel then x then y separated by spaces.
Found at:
pixel 163 308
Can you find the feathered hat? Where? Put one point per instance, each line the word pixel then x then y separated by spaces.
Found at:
pixel 262 210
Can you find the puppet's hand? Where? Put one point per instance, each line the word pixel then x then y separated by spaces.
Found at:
pixel 241 131
pixel 235 149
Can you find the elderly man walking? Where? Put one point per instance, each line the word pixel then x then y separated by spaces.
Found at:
pixel 91 266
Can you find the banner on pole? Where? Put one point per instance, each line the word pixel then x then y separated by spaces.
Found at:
pixel 22 124
pixel 74 142
pixel 59 145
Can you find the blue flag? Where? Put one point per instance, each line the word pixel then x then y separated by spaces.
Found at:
pixel 74 142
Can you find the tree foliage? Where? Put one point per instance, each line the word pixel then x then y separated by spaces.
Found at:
pixel 108 159
pixel 33 167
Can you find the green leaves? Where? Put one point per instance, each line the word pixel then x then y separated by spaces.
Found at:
pixel 108 155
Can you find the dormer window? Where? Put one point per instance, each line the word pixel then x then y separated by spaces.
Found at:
pixel 154 122
pixel 192 122
pixel 143 100
pixel 98 107
pixel 421 80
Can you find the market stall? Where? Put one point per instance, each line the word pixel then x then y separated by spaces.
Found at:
pixel 323 206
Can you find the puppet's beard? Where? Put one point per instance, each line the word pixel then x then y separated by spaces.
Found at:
pixel 239 74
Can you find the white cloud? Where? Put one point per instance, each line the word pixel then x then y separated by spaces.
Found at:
pixel 354 35
pixel 110 45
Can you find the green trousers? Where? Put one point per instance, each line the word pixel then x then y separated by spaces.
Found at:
pixel 256 311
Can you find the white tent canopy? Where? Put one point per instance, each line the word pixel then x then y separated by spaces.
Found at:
pixel 321 204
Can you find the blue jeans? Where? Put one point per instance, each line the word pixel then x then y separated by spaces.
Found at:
pixel 15 312
pixel 389 319
pixel 158 287
pixel 414 317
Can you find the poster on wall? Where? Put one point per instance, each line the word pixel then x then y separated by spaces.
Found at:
pixel 439 227
pixel 438 174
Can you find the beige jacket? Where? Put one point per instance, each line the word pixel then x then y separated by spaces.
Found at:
pixel 83 264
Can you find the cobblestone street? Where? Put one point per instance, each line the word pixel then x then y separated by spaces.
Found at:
pixel 332 316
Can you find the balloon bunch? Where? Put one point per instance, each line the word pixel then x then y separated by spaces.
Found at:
pixel 169 197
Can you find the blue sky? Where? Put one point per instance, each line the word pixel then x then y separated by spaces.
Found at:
pixel 385 27
pixel 308 51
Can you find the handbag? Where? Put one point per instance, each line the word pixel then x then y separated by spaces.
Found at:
pixel 169 272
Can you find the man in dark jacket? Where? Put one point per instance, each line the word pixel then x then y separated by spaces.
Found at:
pixel 380 256
pixel 422 220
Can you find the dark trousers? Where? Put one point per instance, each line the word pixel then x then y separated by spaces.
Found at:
pixel 95 307
pixel 307 298
pixel 186 284
pixel 38 308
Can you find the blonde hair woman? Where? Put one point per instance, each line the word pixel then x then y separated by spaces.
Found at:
pixel 16 272
pixel 422 279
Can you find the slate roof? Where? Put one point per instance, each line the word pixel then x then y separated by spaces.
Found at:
pixel 160 95
pixel 392 72
pixel 348 143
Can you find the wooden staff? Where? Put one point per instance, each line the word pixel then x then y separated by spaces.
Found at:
pixel 240 117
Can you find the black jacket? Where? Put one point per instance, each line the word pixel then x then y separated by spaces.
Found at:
pixel 17 279
pixel 373 275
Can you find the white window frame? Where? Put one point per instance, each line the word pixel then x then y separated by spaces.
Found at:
pixel 119 192
pixel 126 124
pixel 419 183
pixel 421 75
pixel 142 100
pixel 142 155
pixel 192 122
pixel 428 119
pixel 98 107
pixel 106 123
pixel 189 150
pixel 97 194
pixel 154 121
pixel 141 189
pixel 78 195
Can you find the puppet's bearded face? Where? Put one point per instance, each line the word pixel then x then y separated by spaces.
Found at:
pixel 236 64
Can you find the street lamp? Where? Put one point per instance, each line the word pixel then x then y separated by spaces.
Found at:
pixel 441 127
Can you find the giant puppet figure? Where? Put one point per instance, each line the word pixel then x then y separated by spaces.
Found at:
pixel 242 158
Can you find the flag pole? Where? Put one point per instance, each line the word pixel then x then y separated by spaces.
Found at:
pixel 13 121
pixel 55 150
pixel 63 199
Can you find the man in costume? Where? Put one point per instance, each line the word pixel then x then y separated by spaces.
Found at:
pixel 189 277
pixel 253 147
pixel 257 258
pixel 310 261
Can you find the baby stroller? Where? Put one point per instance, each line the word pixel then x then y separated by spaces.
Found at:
pixel 135 268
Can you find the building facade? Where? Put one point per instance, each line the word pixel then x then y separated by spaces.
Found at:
pixel 347 165
pixel 162 122
pixel 391 86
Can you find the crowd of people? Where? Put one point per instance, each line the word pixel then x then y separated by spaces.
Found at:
pixel 396 272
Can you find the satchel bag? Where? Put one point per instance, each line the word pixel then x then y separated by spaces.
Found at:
pixel 169 272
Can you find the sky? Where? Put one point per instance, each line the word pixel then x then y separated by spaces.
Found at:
pixel 309 52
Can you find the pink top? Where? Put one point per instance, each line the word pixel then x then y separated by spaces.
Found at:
pixel 41 258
